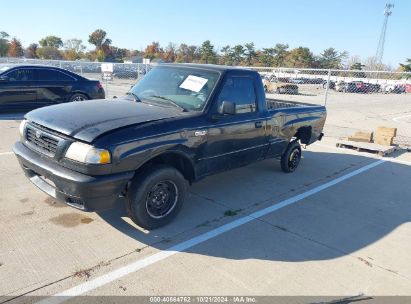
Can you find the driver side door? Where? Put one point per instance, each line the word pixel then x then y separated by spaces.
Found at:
pixel 239 139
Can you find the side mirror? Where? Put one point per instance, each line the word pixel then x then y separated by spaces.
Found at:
pixel 4 78
pixel 227 107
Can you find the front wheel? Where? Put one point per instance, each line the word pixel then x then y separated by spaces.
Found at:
pixel 291 157
pixel 156 196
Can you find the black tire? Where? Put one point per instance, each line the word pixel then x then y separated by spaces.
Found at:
pixel 78 97
pixel 291 157
pixel 156 196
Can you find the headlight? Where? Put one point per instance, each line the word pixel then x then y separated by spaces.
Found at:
pixel 87 154
pixel 22 126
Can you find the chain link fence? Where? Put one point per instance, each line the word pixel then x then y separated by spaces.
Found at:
pixel 356 100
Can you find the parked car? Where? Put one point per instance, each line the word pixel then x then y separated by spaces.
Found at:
pixel 298 80
pixel 355 87
pixel 25 87
pixel 177 125
pixel 394 88
pixel 331 84
pixel 372 87
pixel 273 85
pixel 126 74
pixel 339 86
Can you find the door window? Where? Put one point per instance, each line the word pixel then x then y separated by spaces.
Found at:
pixel 21 75
pixel 241 91
pixel 51 75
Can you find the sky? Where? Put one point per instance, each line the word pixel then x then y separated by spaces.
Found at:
pixel 349 25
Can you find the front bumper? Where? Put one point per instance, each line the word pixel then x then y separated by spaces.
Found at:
pixel 88 193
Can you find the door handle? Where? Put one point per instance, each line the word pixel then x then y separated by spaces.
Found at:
pixel 259 124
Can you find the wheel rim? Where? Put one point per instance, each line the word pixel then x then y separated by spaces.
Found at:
pixel 294 159
pixel 162 199
pixel 79 98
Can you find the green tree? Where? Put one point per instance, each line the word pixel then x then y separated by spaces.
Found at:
pixel 237 53
pixel 4 43
pixel 331 58
pixel 249 53
pixel 406 67
pixel 300 57
pixel 15 48
pixel 280 53
pixel 227 55
pixel 31 51
pixel 207 53
pixel 357 66
pixel 267 57
pixel 51 41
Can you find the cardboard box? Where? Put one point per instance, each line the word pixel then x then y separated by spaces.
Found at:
pixel 387 132
pixel 384 140
pixel 361 136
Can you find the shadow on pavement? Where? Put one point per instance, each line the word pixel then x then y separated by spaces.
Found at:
pixel 335 222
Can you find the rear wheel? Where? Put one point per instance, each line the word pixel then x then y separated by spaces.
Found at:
pixel 156 196
pixel 291 157
pixel 78 97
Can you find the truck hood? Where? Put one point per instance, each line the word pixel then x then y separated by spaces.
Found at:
pixel 87 120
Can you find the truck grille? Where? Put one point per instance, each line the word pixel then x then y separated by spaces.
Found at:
pixel 42 141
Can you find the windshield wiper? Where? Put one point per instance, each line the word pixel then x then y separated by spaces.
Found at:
pixel 170 101
pixel 136 98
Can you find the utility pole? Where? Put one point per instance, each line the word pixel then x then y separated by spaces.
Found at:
pixel 381 42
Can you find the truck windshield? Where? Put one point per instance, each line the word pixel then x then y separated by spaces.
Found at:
pixel 184 88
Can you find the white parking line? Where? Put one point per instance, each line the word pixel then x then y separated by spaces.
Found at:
pixel 143 263
pixel 5 153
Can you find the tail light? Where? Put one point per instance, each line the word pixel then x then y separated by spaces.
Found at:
pixel 99 85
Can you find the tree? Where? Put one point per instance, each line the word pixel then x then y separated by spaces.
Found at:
pixel 98 38
pixel 31 51
pixel 373 64
pixel 73 49
pixel 48 53
pixel 237 53
pixel 207 53
pixel 182 53
pixel 300 57
pixel 406 67
pixel 280 54
pixel 267 57
pixel 331 59
pixel 357 66
pixel 249 53
pixel 227 57
pixel 193 53
pixel 15 48
pixel 51 41
pixel 170 53
pixel 4 44
pixel 153 51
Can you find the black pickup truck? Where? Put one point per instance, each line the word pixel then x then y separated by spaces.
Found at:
pixel 177 125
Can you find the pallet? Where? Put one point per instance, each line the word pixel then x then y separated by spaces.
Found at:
pixel 366 147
